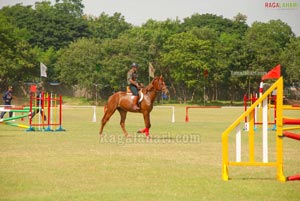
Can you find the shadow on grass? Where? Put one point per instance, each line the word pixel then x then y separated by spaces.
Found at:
pixel 253 179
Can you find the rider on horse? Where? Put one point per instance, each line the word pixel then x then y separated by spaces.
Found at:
pixel 133 85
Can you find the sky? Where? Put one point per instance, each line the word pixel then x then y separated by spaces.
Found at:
pixel 138 12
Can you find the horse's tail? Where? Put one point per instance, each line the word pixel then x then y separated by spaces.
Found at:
pixel 112 101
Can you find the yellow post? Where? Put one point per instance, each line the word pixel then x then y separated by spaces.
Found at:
pixel 225 158
pixel 44 106
pixel 251 136
pixel 269 108
pixel 250 113
pixel 279 130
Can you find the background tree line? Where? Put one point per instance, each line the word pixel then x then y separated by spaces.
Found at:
pixel 202 50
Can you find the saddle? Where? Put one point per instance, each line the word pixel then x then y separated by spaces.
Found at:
pixel 141 95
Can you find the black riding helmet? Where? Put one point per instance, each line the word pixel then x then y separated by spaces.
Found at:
pixel 134 65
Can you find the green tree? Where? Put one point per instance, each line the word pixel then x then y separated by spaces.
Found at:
pixel 264 43
pixel 47 57
pixel 17 60
pixel 218 23
pixel 90 61
pixel 226 39
pixel 187 57
pixel 56 26
pixel 73 7
pixel 118 55
pixel 106 26
pixel 154 34
pixel 290 60
pixel 83 50
pixel 50 26
pixel 231 59
pixel 77 64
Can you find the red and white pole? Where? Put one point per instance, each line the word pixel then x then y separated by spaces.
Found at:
pixel 261 85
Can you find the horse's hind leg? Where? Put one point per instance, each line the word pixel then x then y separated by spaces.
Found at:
pixel 123 114
pixel 109 111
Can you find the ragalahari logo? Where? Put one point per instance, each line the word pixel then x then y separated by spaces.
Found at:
pixel 281 5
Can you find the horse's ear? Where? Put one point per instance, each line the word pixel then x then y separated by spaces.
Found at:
pixel 161 77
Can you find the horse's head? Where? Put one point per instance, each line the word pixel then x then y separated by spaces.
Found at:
pixel 159 84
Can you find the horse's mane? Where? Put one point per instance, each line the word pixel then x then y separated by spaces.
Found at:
pixel 150 86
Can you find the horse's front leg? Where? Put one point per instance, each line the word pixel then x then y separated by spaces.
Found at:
pixel 123 114
pixel 147 124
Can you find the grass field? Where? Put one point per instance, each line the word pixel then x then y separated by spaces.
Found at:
pixel 182 161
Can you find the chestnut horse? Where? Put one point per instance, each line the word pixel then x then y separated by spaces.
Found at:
pixel 123 102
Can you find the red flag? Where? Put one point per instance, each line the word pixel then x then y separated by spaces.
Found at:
pixel 272 74
pixel 33 88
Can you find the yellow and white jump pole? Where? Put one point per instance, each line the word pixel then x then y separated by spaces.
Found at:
pixel 250 113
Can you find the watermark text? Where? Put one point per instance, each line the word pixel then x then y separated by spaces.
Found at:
pixel 165 138
pixel 247 73
pixel 281 5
